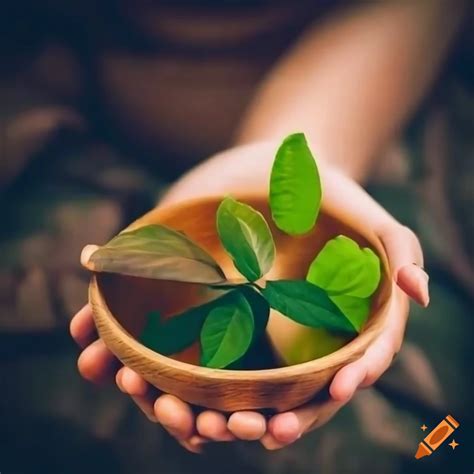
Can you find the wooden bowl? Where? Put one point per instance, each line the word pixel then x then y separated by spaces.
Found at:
pixel 120 304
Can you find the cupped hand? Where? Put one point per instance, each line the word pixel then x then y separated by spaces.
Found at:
pixel 191 429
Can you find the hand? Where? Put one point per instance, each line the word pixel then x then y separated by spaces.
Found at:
pixel 97 364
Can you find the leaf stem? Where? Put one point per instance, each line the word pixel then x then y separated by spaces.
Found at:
pixel 254 285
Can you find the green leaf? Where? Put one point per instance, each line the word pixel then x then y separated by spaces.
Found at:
pixel 227 332
pixel 295 187
pixel 173 335
pixel 306 304
pixel 156 251
pixel 260 309
pixel 245 235
pixel 349 274
pixel 260 354
pixel 342 267
pixel 355 309
pixel 181 330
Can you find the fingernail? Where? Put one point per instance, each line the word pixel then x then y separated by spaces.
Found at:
pixel 196 443
pixel 196 440
pixel 151 418
pixel 118 381
pixel 423 287
pixel 190 447
pixel 422 272
pixel 86 253
pixel 413 280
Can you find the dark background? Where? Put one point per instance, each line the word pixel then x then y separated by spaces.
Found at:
pixel 71 174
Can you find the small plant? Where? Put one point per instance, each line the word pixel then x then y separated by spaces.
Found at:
pixel 335 296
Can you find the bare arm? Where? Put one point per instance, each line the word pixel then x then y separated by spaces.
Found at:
pixel 352 82
pixel 349 85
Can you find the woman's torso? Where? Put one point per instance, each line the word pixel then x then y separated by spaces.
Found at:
pixel 184 93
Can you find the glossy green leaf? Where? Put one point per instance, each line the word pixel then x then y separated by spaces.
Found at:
pixel 227 332
pixel 156 251
pixel 342 267
pixel 260 309
pixel 259 355
pixel 295 187
pixel 306 304
pixel 355 309
pixel 180 331
pixel 245 235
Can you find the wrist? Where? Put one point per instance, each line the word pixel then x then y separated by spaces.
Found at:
pixel 237 170
pixel 326 152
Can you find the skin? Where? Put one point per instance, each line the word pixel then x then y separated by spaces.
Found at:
pixel 97 364
pixel 306 91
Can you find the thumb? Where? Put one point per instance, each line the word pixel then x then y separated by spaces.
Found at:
pixel 86 253
pixel 406 259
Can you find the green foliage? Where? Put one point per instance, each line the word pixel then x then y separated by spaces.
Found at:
pixel 349 274
pixel 245 235
pixel 180 331
pixel 295 187
pixel 342 267
pixel 306 304
pixel 260 309
pixel 227 332
pixel 335 296
pixel 156 251
pixel 355 309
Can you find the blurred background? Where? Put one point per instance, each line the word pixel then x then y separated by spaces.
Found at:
pixel 102 106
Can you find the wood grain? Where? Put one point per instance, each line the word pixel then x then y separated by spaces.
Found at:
pixel 120 303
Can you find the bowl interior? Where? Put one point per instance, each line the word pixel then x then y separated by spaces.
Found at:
pixel 130 299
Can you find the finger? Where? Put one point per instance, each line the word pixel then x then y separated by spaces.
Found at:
pixel 362 372
pixel 96 363
pixel 270 442
pixel 347 380
pixel 247 425
pixel 380 354
pixel 366 370
pixel 194 444
pixel 286 428
pixel 131 382
pixel 378 357
pixel 213 425
pixel 283 429
pixel 406 259
pixel 175 416
pixel 141 393
pixel 402 246
pixel 86 253
pixel 413 280
pixel 82 327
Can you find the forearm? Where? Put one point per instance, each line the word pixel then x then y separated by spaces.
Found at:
pixel 352 82
pixel 245 171
pixel 349 85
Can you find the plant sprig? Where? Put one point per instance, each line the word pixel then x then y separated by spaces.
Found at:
pixel 335 296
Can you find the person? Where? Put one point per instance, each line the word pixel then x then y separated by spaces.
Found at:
pixel 350 83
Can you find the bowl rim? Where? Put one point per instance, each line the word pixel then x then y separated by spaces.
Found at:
pixel 370 331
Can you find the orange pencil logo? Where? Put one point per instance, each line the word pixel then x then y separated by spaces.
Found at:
pixel 436 437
